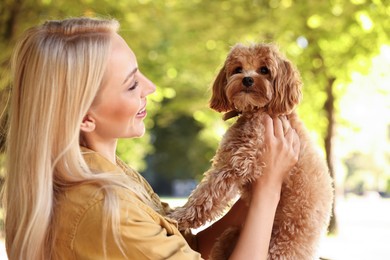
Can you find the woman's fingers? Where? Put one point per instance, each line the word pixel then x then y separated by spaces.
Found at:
pixel 278 127
pixel 296 145
pixel 269 129
pixel 293 142
pixel 274 127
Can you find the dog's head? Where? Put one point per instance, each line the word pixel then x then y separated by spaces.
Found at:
pixel 256 77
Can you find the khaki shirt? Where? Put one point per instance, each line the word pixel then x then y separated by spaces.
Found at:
pixel 145 233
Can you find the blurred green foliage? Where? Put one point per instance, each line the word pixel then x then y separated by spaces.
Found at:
pixel 180 46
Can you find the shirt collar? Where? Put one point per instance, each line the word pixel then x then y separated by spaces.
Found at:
pixel 97 162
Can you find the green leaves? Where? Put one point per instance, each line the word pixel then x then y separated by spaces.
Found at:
pixel 181 45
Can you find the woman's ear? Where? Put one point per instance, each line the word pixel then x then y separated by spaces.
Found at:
pixel 88 124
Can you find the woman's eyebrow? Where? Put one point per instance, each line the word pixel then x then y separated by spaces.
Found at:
pixel 130 75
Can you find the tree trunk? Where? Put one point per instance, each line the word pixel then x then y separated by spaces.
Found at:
pixel 9 14
pixel 329 108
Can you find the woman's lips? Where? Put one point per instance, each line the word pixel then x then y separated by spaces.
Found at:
pixel 142 112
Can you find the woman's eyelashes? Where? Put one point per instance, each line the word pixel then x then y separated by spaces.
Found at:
pixel 134 85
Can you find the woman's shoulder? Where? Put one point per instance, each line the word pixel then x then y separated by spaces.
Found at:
pixel 74 201
pixel 80 218
pixel 86 201
pixel 79 201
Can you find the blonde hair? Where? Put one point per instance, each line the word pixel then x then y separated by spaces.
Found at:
pixel 57 71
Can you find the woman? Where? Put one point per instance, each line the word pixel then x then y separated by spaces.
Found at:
pixel 77 88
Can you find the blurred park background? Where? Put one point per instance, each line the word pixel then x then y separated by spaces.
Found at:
pixel 341 47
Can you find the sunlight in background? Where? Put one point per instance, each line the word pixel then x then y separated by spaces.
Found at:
pixel 366 103
pixel 365 111
pixel 363 128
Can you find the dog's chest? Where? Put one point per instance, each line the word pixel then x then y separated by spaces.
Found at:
pixel 247 131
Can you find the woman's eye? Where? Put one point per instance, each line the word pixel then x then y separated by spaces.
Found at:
pixel 237 70
pixel 134 86
pixel 264 70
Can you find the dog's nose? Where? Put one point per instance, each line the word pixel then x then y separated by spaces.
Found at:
pixel 247 81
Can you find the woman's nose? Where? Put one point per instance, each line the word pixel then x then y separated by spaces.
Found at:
pixel 147 85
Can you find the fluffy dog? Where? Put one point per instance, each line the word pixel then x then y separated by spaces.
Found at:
pixel 257 80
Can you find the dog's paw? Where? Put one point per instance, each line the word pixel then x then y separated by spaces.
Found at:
pixel 187 218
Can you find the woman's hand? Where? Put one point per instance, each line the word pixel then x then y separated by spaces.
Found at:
pixel 280 155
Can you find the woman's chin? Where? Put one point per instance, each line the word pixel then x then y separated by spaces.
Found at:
pixel 136 133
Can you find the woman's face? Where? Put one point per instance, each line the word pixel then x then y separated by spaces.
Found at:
pixel 120 106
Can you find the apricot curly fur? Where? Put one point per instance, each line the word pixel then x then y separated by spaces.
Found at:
pixel 257 80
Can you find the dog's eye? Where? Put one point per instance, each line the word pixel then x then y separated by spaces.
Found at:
pixel 237 70
pixel 264 70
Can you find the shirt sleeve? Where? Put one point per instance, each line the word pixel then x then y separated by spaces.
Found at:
pixel 143 232
pixel 191 239
pixel 187 234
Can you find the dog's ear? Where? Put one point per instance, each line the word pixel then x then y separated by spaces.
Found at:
pixel 287 89
pixel 219 100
